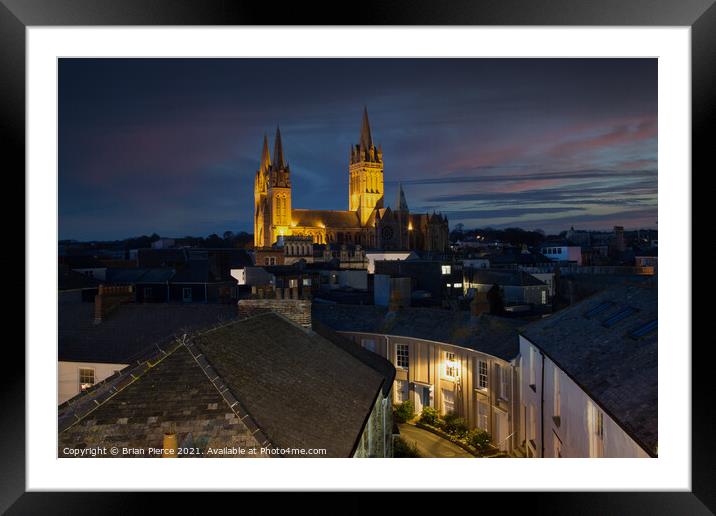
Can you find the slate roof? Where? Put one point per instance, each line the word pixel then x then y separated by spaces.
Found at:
pixel 496 336
pixel 290 388
pixel 171 392
pixel 143 275
pixel 131 329
pixel 500 277
pixel 329 218
pixel 616 370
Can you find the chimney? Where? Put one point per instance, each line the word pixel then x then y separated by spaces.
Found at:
pixel 479 304
pixel 170 446
pixel 110 297
pixel 395 300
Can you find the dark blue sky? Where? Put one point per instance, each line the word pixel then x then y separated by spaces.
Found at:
pixel 172 145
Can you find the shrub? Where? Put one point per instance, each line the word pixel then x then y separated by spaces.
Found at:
pixel 404 412
pixel 480 439
pixel 403 449
pixel 429 416
pixel 455 425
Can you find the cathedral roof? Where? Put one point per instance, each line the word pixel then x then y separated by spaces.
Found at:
pixel 327 218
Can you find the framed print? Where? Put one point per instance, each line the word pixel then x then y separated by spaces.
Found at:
pixel 429 234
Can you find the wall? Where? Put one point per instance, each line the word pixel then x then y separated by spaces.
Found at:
pixel 68 376
pixel 572 427
pixel 426 368
pixel 397 255
pixel 377 437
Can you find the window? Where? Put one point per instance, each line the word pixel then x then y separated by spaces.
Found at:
pixel 621 314
pixel 401 391
pixel 448 401
pixel 306 282
pixel 533 359
pixel 482 375
pixel 451 365
pixel 483 411
pixel 368 344
pixel 266 261
pixel 644 330
pixel 401 356
pixel 503 374
pixel 445 269
pixel 293 283
pixel 544 297
pixel 186 294
pixel 86 378
pixel 147 292
pixel 598 309
pixel 457 285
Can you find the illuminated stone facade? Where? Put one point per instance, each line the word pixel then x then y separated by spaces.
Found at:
pixel 366 222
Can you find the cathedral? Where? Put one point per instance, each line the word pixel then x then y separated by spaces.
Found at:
pixel 366 221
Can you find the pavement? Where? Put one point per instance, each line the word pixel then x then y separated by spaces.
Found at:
pixel 431 445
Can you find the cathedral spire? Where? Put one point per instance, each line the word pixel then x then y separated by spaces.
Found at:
pixel 401 203
pixel 278 151
pixel 265 156
pixel 366 141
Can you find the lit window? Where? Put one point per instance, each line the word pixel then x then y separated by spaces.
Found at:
pixel 401 391
pixel 451 365
pixel 482 379
pixel 445 269
pixel 401 356
pixel 457 285
pixel 293 283
pixel 307 282
pixel 86 378
pixel 482 415
pixel 448 401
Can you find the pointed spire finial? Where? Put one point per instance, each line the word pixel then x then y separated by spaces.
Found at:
pixel 401 203
pixel 366 141
pixel 278 151
pixel 265 156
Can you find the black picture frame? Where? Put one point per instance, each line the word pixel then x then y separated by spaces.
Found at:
pixel 700 15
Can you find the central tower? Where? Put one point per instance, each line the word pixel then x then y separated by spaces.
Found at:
pixel 365 181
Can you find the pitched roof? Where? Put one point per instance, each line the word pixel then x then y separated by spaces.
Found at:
pixel 171 392
pixel 131 329
pixel 294 388
pixel 328 218
pixel 592 342
pixel 143 275
pixel 496 336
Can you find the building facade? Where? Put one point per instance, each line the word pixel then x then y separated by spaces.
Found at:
pixel 366 222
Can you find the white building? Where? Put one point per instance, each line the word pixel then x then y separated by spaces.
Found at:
pixel 373 256
pixel 588 377
pixel 562 253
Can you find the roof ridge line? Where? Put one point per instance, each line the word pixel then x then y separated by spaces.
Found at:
pixel 231 400
pixel 149 365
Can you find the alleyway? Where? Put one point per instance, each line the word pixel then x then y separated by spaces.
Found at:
pixel 431 445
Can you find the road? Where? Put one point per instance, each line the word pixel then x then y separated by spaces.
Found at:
pixel 431 445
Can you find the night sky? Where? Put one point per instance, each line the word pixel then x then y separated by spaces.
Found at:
pixel 171 146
